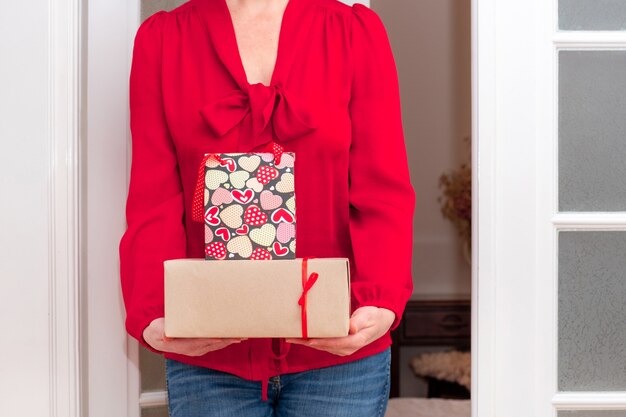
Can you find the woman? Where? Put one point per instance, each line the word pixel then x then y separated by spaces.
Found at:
pixel 321 77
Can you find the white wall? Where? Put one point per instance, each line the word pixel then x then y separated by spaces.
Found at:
pixel 431 43
pixel 24 220
pixel 40 98
pixel 112 382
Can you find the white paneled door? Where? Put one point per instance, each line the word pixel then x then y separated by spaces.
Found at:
pixel 549 286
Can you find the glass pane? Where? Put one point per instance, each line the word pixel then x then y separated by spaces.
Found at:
pixel 592 14
pixel 597 413
pixel 591 311
pixel 148 7
pixel 162 412
pixel 152 367
pixel 592 130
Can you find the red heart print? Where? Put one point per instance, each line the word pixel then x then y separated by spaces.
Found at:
pixel 280 250
pixel 216 250
pixel 229 163
pixel 254 216
pixel 243 196
pixel 243 230
pixel 223 232
pixel 265 174
pixel 260 254
pixel 282 215
pixel 211 216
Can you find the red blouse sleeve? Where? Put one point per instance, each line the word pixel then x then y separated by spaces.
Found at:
pixel 382 199
pixel 154 208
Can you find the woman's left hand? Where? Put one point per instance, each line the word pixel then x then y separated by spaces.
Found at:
pixel 367 324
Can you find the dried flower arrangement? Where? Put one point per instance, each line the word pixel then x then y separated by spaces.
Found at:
pixel 456 200
pixel 452 366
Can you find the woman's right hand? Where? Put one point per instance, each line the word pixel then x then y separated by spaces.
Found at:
pixel 197 346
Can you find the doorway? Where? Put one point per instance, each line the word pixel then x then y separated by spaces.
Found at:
pixel 546 117
pixel 429 37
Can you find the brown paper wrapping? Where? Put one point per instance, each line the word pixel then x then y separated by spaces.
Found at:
pixel 253 298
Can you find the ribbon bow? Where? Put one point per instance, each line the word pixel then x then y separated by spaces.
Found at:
pixel 197 206
pixel 290 117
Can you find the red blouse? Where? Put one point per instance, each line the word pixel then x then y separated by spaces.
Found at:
pixel 333 100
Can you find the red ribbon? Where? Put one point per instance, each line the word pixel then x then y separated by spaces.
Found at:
pixel 197 205
pixel 307 284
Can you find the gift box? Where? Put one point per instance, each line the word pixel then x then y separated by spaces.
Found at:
pixel 249 206
pixel 246 298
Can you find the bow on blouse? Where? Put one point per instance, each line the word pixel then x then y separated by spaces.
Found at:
pixel 290 117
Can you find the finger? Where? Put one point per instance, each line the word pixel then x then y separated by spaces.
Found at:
pixel 203 340
pixel 358 322
pixel 335 343
pixel 197 348
pixel 351 342
pixel 197 344
pixel 298 341
pixel 328 344
pixel 319 340
pixel 224 339
pixel 341 350
pixel 217 346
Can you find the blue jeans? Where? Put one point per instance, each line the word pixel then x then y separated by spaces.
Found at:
pixel 355 389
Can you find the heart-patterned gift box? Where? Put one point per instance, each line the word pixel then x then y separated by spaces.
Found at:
pixel 250 206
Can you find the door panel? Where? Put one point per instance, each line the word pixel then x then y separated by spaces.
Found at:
pixel 592 126
pixel 592 311
pixel 589 375
pixel 592 14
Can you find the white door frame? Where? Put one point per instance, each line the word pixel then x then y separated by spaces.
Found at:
pixel 514 287
pixel 65 100
pixel 510 161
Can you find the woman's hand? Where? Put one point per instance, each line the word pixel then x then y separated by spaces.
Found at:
pixel 366 325
pixel 197 346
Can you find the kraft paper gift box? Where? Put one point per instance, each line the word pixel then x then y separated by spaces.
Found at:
pixel 251 298
pixel 250 206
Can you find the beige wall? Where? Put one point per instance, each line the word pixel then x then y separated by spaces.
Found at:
pixel 431 43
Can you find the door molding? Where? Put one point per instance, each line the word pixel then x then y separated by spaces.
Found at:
pixel 66 323
pixel 507 112
pixel 483 207
pixel 589 400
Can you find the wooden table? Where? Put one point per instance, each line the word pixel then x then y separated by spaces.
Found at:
pixel 431 321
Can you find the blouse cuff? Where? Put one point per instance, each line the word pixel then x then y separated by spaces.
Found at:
pixel 367 294
pixel 136 325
